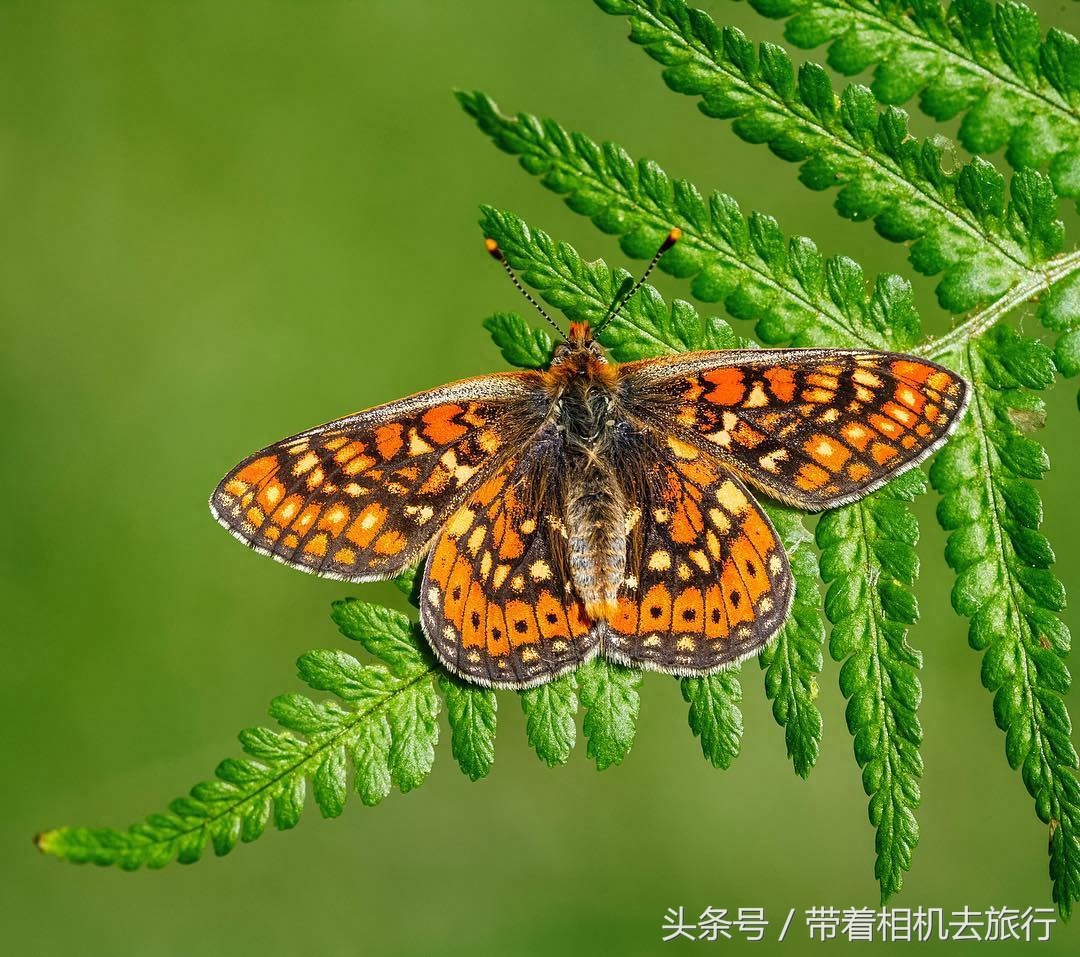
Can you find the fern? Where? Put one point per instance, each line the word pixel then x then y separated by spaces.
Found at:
pixel 868 558
pixel 959 223
pixel 995 244
pixel 988 61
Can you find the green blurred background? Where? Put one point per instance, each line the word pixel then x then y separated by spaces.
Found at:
pixel 226 222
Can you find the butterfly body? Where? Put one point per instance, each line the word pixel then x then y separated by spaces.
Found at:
pixel 593 508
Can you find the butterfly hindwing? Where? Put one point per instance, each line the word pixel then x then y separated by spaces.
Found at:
pixel 360 498
pixel 707 580
pixel 496 603
pixel 815 428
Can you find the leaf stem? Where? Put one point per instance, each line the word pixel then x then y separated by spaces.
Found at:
pixel 1038 280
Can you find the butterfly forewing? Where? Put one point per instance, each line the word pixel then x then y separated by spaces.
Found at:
pixel 811 427
pixel 496 600
pixel 360 498
pixel 707 582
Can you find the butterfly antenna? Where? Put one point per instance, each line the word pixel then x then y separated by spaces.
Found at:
pixel 670 240
pixel 496 254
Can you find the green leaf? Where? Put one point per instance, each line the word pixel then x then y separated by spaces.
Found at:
pixel 384 633
pixel 794 660
pixel 414 732
pixel 609 695
pixel 988 63
pixel 714 716
pixel 747 264
pixel 387 731
pixel 1004 586
pixel 550 710
pixel 869 603
pixel 471 713
pixel 521 345
pixel 884 173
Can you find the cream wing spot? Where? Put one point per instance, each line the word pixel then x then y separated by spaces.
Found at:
pixel 731 498
pixel 660 561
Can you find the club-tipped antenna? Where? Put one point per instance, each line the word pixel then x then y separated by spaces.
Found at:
pixel 670 240
pixel 496 254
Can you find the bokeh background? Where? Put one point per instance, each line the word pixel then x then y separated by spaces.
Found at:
pixel 221 223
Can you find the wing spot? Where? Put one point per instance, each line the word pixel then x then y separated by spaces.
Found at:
pixel 433 596
pixel 697 556
pixel 661 515
pixel 528 526
pixel 685 643
pixel 540 571
pixel 476 539
pixel 865 377
pixel 656 611
pixel 720 519
pixel 529 653
pixel 461 522
pixel 731 498
pixel 475 619
pixel 417 446
pixel 660 561
pixel 689 614
pixel 305 464
pixel 736 599
pixel 683 571
pixel 771 461
pixel 757 399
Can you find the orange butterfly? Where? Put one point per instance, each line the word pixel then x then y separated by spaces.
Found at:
pixel 593 507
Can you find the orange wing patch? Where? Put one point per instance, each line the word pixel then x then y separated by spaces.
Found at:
pixel 496 602
pixel 707 582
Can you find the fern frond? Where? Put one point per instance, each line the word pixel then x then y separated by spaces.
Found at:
pixel 987 61
pixel 786 286
pixel 868 558
pixel 962 223
pixel 550 712
pixel 714 715
pixel 471 713
pixel 793 662
pixel 609 695
pixel 1004 583
pixel 382 724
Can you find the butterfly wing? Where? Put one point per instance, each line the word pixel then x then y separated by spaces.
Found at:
pixel 496 602
pixel 362 497
pixel 815 428
pixel 708 581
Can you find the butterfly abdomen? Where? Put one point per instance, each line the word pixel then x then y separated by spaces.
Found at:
pixel 595 521
pixel 596 505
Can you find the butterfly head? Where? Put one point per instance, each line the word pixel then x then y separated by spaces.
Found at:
pixel 580 357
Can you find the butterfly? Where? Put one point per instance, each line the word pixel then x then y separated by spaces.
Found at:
pixel 592 507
